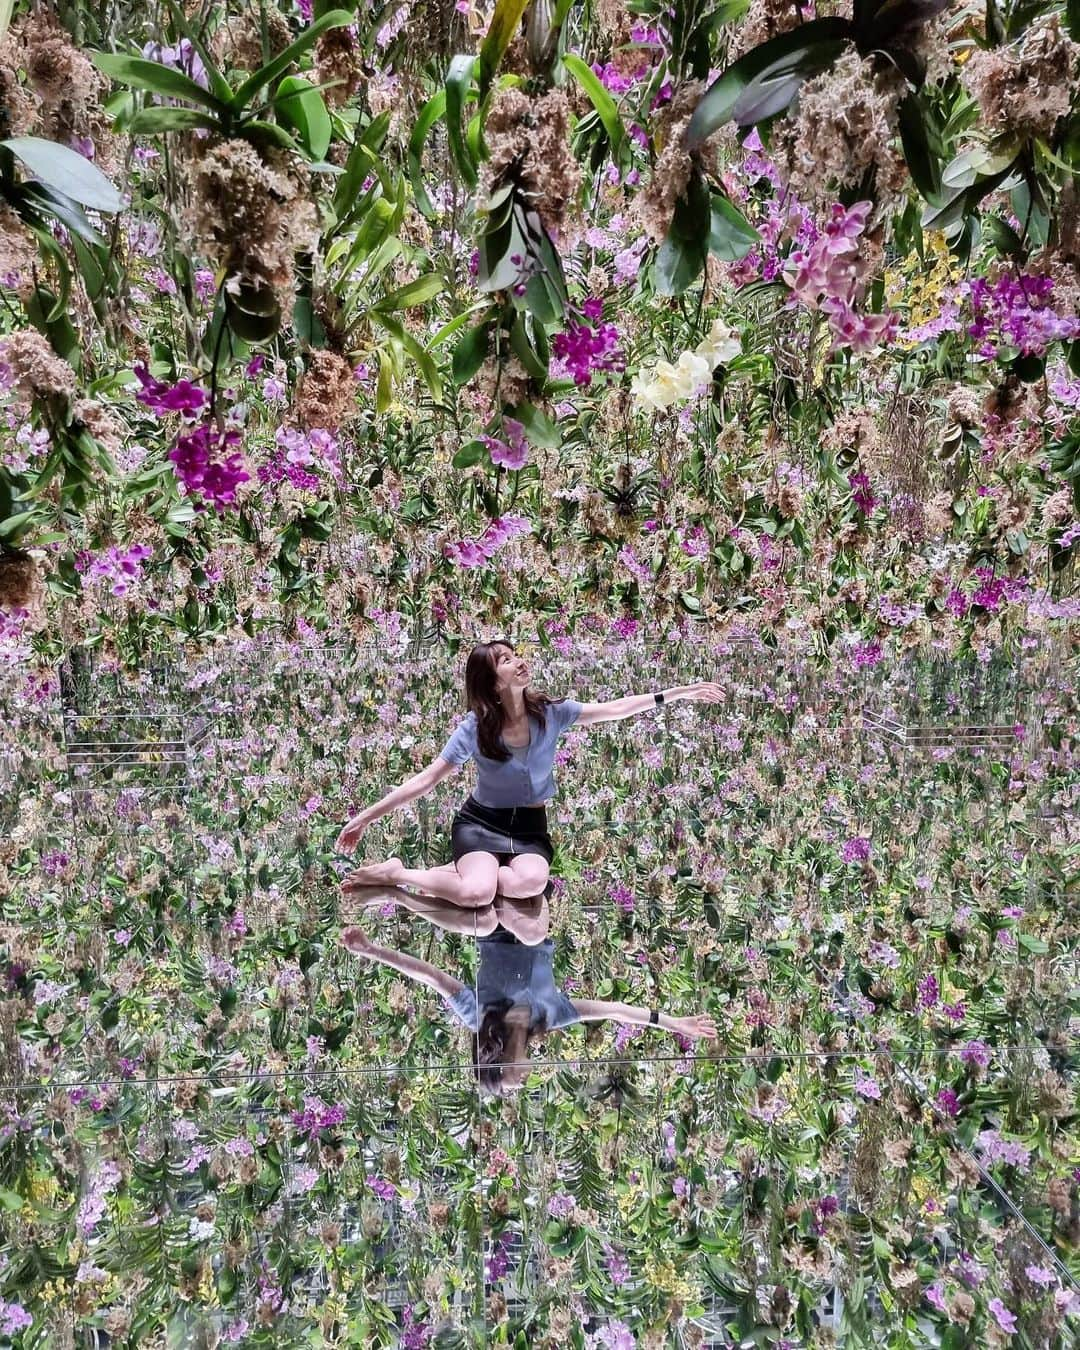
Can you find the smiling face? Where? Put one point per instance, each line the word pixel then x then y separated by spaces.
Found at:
pixel 511 672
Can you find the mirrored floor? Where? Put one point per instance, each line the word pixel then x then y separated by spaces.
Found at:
pixel 219 1125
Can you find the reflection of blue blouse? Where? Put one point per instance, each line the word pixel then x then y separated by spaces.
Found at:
pixel 523 974
pixel 523 778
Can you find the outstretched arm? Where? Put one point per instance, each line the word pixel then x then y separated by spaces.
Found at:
pixel 618 708
pixel 593 1010
pixel 358 942
pixel 419 785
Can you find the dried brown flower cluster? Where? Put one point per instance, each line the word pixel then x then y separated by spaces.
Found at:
pixel 338 56
pixel 765 19
pixel 529 141
pixel 326 392
pixel 674 165
pixel 1026 87
pixel 249 211
pixel 36 369
pixel 20 582
pixel 844 123
pixel 68 89
pixel 237 44
pixel 18 248
pixel 101 423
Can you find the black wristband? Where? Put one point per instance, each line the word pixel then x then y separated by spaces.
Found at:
pixel 654 1018
pixel 659 699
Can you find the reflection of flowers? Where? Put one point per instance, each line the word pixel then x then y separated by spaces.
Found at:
pixel 476 552
pixel 513 453
pixel 692 371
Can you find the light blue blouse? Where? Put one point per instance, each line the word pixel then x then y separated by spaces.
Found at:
pixel 523 778
pixel 521 973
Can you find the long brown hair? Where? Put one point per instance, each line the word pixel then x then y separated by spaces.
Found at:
pixel 491 1041
pixel 480 699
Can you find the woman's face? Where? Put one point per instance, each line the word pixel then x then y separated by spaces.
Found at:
pixel 511 672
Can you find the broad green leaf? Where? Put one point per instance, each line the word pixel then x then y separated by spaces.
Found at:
pixel 771 91
pixel 682 254
pixel 53 202
pixel 731 236
pixel 66 171
pixel 414 293
pixel 256 130
pixel 922 163
pixel 718 102
pixel 6 8
pixel 458 83
pixel 470 352
pixel 153 121
pixel 468 455
pixel 422 358
pixel 280 64
pixel 504 24
pixel 539 428
pixel 139 73
pixel 600 99
pixel 432 110
pixel 297 102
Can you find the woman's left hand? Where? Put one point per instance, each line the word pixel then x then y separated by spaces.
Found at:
pixel 705 692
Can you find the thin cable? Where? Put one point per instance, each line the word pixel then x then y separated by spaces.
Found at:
pixel 457 1065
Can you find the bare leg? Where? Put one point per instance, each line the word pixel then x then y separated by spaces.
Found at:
pixel 470 882
pixel 524 877
pixel 442 913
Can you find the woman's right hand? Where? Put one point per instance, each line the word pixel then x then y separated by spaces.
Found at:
pixel 701 1025
pixel 347 839
pixel 357 941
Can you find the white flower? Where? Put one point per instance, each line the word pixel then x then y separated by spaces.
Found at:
pixel 721 344
pixel 694 370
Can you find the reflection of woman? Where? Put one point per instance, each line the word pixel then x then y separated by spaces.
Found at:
pixel 500 836
pixel 515 999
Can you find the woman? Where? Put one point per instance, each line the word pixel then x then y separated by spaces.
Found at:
pixel 499 838
pixel 515 999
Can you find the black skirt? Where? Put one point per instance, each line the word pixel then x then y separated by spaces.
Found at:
pixel 506 831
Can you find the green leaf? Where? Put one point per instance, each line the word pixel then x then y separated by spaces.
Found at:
pixel 771 92
pixel 731 236
pixel 504 24
pixel 458 83
pixel 11 1200
pixel 470 352
pixel 65 170
pixel 682 254
pixel 432 110
pixel 154 121
pixel 297 102
pixel 280 64
pixel 422 358
pixel 1032 944
pixel 59 204
pixel 139 73
pixel 260 132
pixel 414 293
pixel 601 100
pixel 718 102
pixel 539 428
pixel 469 454
pixel 922 163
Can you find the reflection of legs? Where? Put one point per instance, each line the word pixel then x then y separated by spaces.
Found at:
pixel 528 920
pixel 469 882
pixel 442 913
pixel 521 904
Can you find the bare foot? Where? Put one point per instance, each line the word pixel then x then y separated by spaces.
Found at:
pixel 376 874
